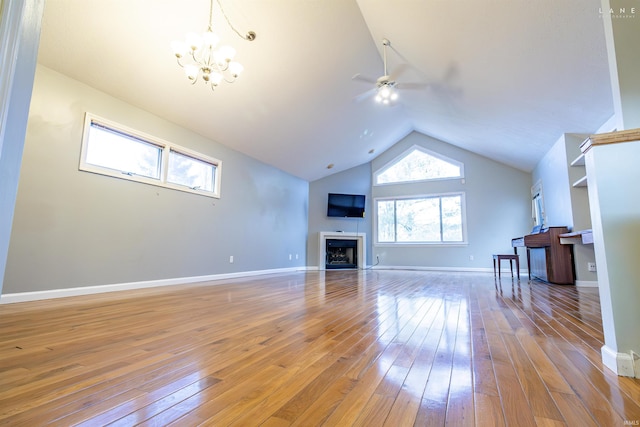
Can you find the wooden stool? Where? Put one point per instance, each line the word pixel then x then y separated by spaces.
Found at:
pixel 511 258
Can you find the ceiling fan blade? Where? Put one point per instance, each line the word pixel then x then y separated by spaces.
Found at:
pixel 398 71
pixel 364 95
pixel 412 86
pixel 399 54
pixel 362 78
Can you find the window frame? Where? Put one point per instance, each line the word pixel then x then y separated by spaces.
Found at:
pixel 463 208
pixel 408 151
pixel 165 148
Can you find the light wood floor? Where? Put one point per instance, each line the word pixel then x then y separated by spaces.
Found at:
pixel 340 348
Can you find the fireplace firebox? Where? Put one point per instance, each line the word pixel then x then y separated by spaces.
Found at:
pixel 342 253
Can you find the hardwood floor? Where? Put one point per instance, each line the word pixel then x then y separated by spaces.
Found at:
pixel 341 348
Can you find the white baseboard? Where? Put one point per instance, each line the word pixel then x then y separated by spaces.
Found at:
pixel 523 273
pixel 422 268
pixel 587 283
pixel 418 268
pixel 620 363
pixel 88 290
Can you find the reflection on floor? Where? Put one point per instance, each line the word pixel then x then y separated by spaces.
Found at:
pixel 315 348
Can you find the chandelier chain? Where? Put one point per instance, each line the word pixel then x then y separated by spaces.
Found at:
pixel 211 16
pixel 250 36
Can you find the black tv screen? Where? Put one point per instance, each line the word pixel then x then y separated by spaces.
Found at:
pixel 345 205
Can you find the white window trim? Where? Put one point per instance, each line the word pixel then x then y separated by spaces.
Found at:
pixel 463 204
pixel 424 150
pixel 165 146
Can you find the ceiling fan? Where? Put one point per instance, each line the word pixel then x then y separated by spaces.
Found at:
pixel 386 87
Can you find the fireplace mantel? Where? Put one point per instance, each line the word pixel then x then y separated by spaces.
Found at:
pixel 322 242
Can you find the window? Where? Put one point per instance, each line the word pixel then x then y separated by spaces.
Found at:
pixel 424 219
pixel 191 172
pixel 537 205
pixel 419 164
pixel 113 150
pixel 118 151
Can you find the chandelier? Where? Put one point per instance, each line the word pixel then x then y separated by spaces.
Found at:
pixel 200 57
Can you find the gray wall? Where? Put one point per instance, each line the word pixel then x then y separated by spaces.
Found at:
pixel 75 229
pixel 552 171
pixel 498 208
pixel 352 181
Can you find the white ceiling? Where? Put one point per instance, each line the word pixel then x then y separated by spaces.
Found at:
pixel 505 78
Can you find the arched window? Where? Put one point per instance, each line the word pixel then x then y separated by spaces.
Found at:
pixel 419 164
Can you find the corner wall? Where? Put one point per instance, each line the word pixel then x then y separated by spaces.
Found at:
pixel 498 208
pixel 356 180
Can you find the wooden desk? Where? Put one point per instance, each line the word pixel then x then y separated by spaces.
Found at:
pixel 547 258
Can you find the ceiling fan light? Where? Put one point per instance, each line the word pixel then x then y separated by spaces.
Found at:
pixel 384 92
pixel 378 98
pixel 394 96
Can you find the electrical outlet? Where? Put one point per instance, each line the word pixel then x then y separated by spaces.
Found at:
pixel 290 257
pixel 591 266
pixel 230 259
pixel 470 257
pixel 296 256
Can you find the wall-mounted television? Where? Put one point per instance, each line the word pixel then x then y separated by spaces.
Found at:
pixel 345 205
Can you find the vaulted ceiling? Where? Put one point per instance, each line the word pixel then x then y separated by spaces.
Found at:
pixel 502 78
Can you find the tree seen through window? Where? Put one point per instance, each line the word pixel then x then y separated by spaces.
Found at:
pixel 431 219
pixel 419 165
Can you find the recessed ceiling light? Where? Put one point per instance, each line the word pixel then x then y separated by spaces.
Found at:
pixel 366 134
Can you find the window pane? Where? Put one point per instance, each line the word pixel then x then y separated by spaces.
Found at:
pixel 115 150
pixel 452 219
pixel 386 221
pixel 431 219
pixel 418 220
pixel 416 166
pixel 191 172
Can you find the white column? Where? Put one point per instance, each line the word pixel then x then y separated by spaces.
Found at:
pixel 19 40
pixel 613 174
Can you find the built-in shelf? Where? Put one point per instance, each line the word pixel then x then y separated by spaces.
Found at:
pixel 582 182
pixel 583 236
pixel 579 161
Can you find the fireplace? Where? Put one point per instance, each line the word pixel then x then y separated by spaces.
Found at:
pixel 341 253
pixel 355 250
